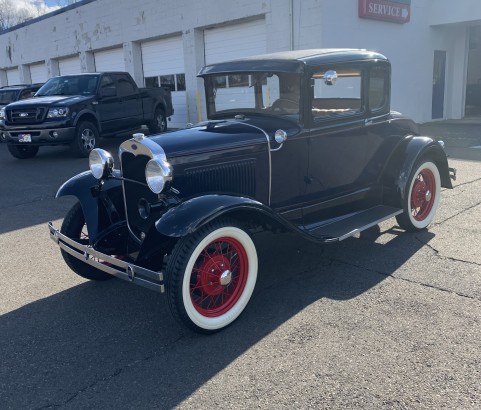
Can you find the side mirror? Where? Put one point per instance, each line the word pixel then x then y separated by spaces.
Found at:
pixel 330 77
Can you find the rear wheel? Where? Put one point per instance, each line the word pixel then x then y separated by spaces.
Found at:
pixel 75 228
pixel 422 197
pixel 22 151
pixel 158 123
pixel 86 139
pixel 211 275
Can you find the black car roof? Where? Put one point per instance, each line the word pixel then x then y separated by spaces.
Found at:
pixel 291 61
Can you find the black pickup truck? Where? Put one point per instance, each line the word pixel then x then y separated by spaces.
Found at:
pixel 77 109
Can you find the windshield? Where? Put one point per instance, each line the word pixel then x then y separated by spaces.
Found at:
pixel 69 85
pixel 8 96
pixel 261 92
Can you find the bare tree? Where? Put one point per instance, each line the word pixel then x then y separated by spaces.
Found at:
pixel 12 14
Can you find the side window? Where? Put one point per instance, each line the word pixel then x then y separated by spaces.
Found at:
pixel 26 94
pixel 336 92
pixel 107 82
pixel 378 88
pixel 125 87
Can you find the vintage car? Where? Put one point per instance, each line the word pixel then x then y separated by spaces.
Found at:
pixel 300 140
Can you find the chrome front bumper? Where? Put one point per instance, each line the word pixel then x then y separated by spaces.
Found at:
pixel 116 267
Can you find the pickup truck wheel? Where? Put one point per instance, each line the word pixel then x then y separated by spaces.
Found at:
pixel 86 139
pixel 422 197
pixel 158 123
pixel 211 275
pixel 75 228
pixel 22 151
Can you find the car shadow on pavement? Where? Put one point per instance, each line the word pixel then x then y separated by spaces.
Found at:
pixel 113 345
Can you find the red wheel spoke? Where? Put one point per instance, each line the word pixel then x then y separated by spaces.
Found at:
pixel 423 194
pixel 222 256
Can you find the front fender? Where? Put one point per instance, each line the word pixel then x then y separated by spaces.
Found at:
pixel 84 187
pixel 190 215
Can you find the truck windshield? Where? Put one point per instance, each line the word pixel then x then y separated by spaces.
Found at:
pixel 69 85
pixel 260 92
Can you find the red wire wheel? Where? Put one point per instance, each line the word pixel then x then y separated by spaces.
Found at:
pixel 422 197
pixel 219 277
pixel 211 275
pixel 423 194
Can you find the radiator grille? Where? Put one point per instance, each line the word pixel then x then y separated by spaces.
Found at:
pixel 133 168
pixel 237 178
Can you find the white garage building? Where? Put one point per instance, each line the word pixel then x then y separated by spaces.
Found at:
pixel 434 46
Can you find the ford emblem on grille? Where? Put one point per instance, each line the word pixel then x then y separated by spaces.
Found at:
pixel 23 114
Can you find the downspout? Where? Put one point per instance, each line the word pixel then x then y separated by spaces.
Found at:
pixel 291 13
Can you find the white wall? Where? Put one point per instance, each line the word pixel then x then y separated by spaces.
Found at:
pixel 103 24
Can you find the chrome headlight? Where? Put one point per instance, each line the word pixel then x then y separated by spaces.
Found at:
pixel 158 173
pixel 58 112
pixel 2 113
pixel 101 163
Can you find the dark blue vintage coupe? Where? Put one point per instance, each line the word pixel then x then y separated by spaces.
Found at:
pixel 303 140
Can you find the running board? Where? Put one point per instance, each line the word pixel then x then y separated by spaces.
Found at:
pixel 345 227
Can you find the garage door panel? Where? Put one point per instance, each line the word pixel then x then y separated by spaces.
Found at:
pixel 161 57
pixel 38 73
pixel 235 41
pixel 69 66
pixel 13 76
pixel 109 60
pixel 165 57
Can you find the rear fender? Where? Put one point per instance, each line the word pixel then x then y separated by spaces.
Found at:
pixel 403 161
pixel 85 187
pixel 192 214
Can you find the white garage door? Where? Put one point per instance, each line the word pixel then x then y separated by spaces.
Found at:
pixel 163 63
pixel 69 65
pixel 110 60
pixel 13 76
pixel 235 41
pixel 38 73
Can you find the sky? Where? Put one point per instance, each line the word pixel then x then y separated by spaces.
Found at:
pixel 50 4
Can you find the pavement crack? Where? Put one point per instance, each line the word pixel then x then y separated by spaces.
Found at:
pixel 443 257
pixel 457 214
pixel 425 285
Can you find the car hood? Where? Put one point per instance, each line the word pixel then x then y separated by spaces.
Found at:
pixel 221 135
pixel 50 100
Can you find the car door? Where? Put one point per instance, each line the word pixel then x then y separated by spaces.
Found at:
pixel 109 105
pixel 345 151
pixel 130 102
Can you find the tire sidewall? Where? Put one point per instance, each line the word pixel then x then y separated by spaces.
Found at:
pixel 78 145
pixel 426 221
pixel 219 322
pixel 156 124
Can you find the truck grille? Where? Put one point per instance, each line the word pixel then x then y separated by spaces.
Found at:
pixel 26 115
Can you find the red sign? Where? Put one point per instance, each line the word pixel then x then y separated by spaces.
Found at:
pixel 396 11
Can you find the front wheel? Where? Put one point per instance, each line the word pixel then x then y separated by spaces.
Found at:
pixel 422 198
pixel 22 151
pixel 211 275
pixel 85 140
pixel 75 228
